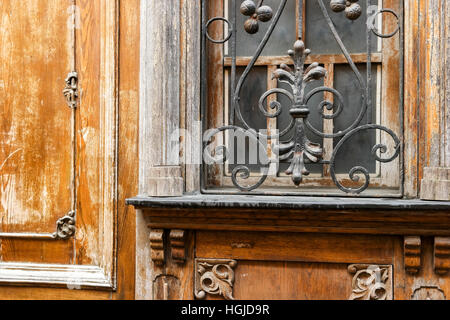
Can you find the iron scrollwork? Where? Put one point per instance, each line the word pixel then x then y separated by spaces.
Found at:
pixel 298 149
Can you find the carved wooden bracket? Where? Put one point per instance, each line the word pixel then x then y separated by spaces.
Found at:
pixel 441 255
pixel 178 245
pixel 371 282
pixel 428 293
pixel 157 246
pixel 214 277
pixel 412 254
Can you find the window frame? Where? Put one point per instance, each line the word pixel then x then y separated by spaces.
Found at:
pixel 422 97
pixel 389 182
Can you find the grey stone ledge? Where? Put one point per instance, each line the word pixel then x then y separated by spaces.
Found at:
pixel 284 202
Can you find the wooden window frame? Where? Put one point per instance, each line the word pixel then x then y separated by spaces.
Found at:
pixel 424 29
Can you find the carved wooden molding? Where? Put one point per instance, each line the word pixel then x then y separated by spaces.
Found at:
pixel 214 277
pixel 412 254
pixel 178 245
pixel 428 293
pixel 441 255
pixel 371 282
pixel 54 275
pixel 157 246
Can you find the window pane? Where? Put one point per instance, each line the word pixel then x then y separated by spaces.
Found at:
pixel 358 150
pixel 282 37
pixel 319 37
pixel 254 87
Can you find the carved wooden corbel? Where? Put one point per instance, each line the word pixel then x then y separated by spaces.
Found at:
pixel 214 277
pixel 157 246
pixel 412 247
pixel 430 292
pixel 441 255
pixel 178 246
pixel 371 282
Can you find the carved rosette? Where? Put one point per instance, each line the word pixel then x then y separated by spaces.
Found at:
pixel 371 282
pixel 65 227
pixel 214 277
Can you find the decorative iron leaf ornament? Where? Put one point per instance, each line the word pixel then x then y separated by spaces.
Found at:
pixel 300 147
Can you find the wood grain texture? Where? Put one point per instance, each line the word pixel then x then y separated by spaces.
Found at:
pixel 291 281
pixel 98 157
pixel 442 255
pixel 295 247
pixel 412 97
pixel 435 184
pixel 97 62
pixel 435 116
pixel 160 169
pixel 128 174
pixel 412 253
pixel 35 125
pixel 400 222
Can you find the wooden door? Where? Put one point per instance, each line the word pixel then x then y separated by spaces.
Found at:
pixel 58 143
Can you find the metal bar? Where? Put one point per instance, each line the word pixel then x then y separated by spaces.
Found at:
pixel 233 57
pixel 300 19
pixel 369 66
pixel 25 236
pixel 203 91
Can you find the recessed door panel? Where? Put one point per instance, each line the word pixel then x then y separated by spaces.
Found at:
pixel 36 158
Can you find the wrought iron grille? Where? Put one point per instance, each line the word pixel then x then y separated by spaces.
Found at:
pixel 297 149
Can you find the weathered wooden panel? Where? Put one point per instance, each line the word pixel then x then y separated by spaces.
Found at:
pixel 292 281
pixel 89 122
pixel 35 124
pixel 295 247
pixel 36 135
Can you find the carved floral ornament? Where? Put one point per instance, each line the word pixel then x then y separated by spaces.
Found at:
pixel 371 282
pixel 297 149
pixel 65 227
pixel 214 277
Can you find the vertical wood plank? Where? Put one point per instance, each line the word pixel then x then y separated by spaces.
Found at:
pixel 411 104
pixel 160 170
